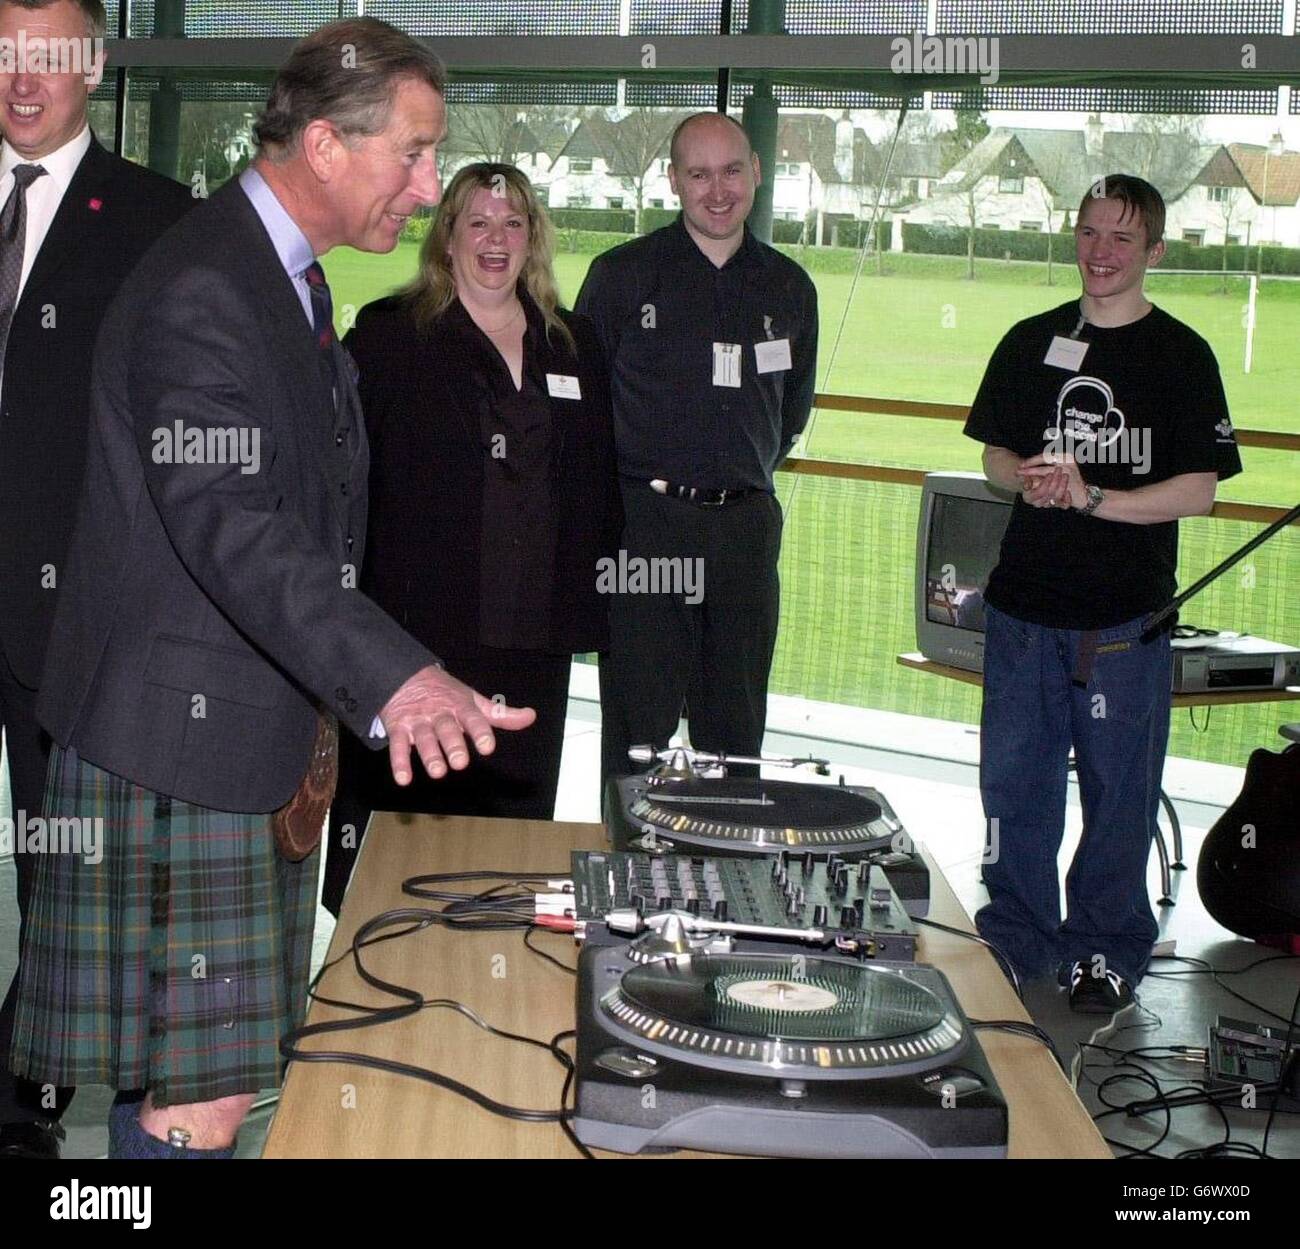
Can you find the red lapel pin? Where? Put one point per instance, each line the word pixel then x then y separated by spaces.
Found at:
pixel 96 205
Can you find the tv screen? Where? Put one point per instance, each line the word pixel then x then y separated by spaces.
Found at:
pixel 965 536
pixel 958 540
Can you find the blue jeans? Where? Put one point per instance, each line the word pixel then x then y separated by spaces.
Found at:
pixel 1118 726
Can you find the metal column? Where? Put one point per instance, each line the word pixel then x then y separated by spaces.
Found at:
pixel 165 106
pixel 766 17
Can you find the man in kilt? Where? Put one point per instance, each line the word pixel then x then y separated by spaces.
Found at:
pixel 209 637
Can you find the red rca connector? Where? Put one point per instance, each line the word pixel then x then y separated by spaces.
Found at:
pixel 557 923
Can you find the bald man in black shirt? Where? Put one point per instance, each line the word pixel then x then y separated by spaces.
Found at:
pixel 712 342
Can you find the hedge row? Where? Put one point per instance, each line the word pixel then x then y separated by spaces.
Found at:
pixel 608 220
pixel 592 230
pixel 951 240
pixel 588 242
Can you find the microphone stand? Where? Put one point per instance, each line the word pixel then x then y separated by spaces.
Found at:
pixel 1164 618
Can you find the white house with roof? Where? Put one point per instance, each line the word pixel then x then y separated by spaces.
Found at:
pixel 1024 178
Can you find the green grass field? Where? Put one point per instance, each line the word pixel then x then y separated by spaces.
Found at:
pixel 923 331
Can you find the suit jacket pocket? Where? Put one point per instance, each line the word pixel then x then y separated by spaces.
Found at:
pixel 216 672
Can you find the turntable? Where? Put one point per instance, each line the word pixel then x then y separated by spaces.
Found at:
pixel 684 806
pixel 779 1054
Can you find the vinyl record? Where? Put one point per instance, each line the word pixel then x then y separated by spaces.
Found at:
pixel 794 998
pixel 765 804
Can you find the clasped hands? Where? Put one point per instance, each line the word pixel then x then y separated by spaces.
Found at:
pixel 1051 479
pixel 434 713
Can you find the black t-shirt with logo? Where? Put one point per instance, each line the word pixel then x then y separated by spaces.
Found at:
pixel 1144 404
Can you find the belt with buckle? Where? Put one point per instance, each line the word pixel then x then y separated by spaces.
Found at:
pixel 698 495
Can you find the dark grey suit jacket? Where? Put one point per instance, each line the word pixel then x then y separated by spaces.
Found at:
pixel 205 610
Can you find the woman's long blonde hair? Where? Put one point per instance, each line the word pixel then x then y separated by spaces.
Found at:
pixel 432 290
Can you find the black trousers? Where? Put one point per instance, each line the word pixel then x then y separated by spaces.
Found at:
pixel 28 748
pixel 517 781
pixel 712 655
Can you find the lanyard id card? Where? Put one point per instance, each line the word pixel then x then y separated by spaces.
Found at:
pixel 726 364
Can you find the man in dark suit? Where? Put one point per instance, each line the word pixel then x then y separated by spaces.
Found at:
pixel 75 220
pixel 210 631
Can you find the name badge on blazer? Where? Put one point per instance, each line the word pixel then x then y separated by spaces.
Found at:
pixel 561 386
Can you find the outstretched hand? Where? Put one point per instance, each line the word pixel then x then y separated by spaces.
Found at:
pixel 434 713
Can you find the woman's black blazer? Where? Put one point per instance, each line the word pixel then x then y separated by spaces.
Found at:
pixel 423 395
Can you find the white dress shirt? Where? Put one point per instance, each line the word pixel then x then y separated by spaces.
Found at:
pixel 43 196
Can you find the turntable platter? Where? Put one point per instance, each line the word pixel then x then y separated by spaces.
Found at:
pixel 759 1011
pixel 771 814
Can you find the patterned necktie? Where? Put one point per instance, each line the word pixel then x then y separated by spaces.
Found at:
pixel 13 239
pixel 322 320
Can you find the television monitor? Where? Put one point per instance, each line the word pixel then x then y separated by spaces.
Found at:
pixel 958 538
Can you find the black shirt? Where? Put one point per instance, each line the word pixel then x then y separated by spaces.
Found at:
pixel 660 305
pixel 1145 404
pixel 518 533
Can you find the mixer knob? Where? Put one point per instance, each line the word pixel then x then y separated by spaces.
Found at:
pixel 720 909
pixel 638 903
pixel 793 908
pixel 776 869
pixel 848 917
pixel 800 895
pixel 820 915
pixel 693 905
pixel 809 861
pixel 664 903
pixel 864 872
pixel 860 907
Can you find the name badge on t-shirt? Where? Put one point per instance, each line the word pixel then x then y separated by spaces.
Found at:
pixel 1066 353
pixel 726 364
pixel 562 386
pixel 773 355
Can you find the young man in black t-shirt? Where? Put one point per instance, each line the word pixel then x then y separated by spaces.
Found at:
pixel 1108 418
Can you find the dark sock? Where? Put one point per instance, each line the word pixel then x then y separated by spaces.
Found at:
pixel 125 1107
pixel 127 1137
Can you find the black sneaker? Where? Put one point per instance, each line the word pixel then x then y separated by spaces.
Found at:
pixel 1098 995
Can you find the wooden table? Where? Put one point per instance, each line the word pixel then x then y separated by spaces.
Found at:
pixel 331 1110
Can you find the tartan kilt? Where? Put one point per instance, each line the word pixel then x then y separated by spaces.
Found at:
pixel 176 962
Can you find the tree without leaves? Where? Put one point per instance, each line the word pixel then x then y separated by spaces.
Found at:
pixel 631 147
pixel 1224 210
pixel 917 129
pixel 498 132
pixel 1052 175
pixel 970 131
pixel 1166 151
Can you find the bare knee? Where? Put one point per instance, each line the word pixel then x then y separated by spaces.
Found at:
pixel 211 1125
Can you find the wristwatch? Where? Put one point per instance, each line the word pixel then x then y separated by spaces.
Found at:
pixel 1095 496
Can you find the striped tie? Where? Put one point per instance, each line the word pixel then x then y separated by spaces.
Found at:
pixel 13 239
